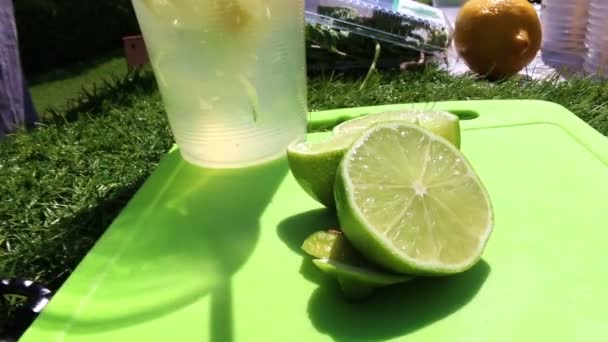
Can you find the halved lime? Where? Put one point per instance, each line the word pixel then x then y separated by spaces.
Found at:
pixel 356 281
pixel 410 201
pixel 314 166
pixel 439 122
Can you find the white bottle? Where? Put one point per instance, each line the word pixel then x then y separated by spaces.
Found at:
pixel 596 60
pixel 564 24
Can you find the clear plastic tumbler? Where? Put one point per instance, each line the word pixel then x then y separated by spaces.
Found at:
pixel 564 24
pixel 232 75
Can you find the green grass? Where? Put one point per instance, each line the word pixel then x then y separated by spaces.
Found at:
pixel 57 88
pixel 64 183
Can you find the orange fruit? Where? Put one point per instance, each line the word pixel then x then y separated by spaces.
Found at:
pixel 497 38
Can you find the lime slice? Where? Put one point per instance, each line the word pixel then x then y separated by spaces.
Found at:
pixel 358 282
pixel 410 201
pixel 439 122
pixel 314 166
pixel 336 257
pixel 331 245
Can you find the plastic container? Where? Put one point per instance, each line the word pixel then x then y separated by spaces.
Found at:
pixel 564 24
pixel 401 22
pixel 448 3
pixel 596 60
pixel 232 76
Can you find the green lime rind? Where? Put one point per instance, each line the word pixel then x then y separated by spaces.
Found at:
pixel 356 281
pixel 314 166
pixel 374 243
pixel 440 122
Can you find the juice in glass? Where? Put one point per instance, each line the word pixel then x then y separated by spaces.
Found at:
pixel 231 73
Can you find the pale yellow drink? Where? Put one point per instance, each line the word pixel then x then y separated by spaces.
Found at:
pixel 232 75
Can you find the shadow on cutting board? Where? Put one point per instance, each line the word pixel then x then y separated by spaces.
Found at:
pixel 389 313
pixel 181 238
pixel 295 229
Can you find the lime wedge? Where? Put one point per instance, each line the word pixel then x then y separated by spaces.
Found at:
pixel 314 166
pixel 411 202
pixel 331 245
pixel 439 122
pixel 337 258
pixel 358 282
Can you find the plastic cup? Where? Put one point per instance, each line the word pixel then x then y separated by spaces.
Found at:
pixel 232 76
pixel 596 60
pixel 564 25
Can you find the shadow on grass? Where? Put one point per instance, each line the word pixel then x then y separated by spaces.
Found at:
pixel 391 312
pixel 73 70
pixel 112 92
pixel 82 231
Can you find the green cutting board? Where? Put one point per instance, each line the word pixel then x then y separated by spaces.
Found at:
pixel 209 255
